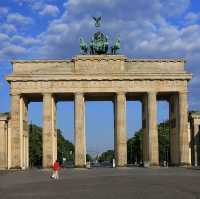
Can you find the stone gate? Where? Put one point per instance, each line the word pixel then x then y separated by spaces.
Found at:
pixel 99 77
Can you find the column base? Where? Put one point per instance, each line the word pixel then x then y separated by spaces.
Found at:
pixel 121 166
pixel 16 168
pixel 184 164
pixel 80 166
pixel 148 164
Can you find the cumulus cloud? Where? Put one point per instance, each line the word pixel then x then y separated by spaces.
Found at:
pixel 42 7
pixel 192 17
pixel 7 28
pixel 18 19
pixel 148 31
pixel 3 37
pixel 21 2
pixel 3 10
pixel 153 28
pixel 12 51
pixel 24 41
pixel 50 10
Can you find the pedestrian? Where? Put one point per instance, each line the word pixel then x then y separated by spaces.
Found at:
pixel 113 163
pixel 55 170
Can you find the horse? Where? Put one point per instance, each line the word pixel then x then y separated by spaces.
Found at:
pixel 83 46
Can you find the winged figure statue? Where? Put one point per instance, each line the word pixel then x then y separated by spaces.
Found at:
pixel 97 21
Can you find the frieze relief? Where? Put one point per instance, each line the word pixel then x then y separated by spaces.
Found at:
pixel 126 86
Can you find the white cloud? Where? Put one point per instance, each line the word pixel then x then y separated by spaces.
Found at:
pixel 3 37
pixel 12 51
pixel 3 10
pixel 24 41
pixel 18 19
pixel 50 10
pixel 146 29
pixel 22 2
pixel 174 7
pixel 8 28
pixel 192 17
pixel 142 33
pixel 41 6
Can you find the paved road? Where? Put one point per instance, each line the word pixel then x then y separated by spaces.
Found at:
pixel 103 183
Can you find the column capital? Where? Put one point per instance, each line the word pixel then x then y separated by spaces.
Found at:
pixel 79 93
pixel 152 93
pixel 15 94
pixel 183 92
pixel 121 93
pixel 47 94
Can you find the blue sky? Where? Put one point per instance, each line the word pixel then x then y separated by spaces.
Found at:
pixel 31 29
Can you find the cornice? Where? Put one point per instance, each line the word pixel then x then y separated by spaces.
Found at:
pixel 42 61
pixel 99 58
pixel 99 77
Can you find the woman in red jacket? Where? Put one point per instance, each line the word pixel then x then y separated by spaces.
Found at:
pixel 55 170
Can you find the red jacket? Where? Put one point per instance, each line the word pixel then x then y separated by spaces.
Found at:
pixel 56 166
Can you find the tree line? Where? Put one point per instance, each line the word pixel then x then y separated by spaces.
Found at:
pixel 135 146
pixel 65 149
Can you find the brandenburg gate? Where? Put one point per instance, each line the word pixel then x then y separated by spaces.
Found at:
pixel 100 76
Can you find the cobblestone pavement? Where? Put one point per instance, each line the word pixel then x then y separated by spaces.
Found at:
pixel 102 183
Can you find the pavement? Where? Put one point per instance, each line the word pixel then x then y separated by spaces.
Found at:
pixel 102 183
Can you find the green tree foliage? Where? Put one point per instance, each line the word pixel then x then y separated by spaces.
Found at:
pixel 88 158
pixel 134 148
pixel 64 147
pixel 135 144
pixel 107 156
pixel 163 140
pixel 35 145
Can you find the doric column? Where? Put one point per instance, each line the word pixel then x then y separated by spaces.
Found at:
pixel 49 130
pixel 120 130
pixel 16 134
pixel 152 130
pixel 183 129
pixel 24 132
pixel 174 129
pixel 9 144
pixel 80 144
pixel 145 130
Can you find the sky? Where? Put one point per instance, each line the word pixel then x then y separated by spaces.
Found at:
pixel 50 29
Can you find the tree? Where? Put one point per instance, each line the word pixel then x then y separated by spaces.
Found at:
pixel 107 156
pixel 35 145
pixel 135 144
pixel 135 148
pixel 163 141
pixel 88 158
pixel 65 149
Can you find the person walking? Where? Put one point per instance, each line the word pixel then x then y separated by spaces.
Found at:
pixel 56 167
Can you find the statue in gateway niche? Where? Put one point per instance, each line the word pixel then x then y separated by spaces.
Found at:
pixel 99 42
